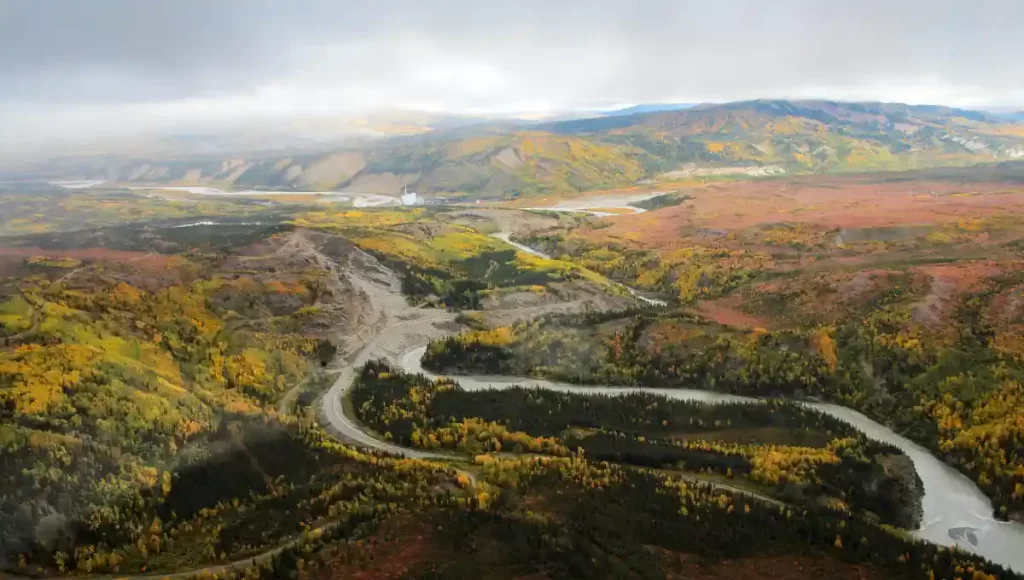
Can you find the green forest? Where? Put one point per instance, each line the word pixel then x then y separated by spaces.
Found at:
pixel 573 518
pixel 160 412
pixel 138 393
pixel 781 449
pixel 960 399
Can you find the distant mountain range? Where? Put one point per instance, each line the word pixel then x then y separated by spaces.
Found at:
pixel 757 138
pixel 648 108
pixel 1015 116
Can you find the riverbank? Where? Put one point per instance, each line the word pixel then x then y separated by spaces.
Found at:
pixel 955 511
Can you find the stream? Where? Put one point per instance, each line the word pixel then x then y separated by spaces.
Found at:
pixel 356 199
pixel 504 236
pixel 955 511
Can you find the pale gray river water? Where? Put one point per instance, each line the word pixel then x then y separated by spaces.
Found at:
pixel 955 511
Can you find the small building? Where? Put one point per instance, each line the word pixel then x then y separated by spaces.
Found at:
pixel 409 198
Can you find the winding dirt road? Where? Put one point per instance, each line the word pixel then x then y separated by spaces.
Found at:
pixel 332 406
pixel 400 328
pixel 398 332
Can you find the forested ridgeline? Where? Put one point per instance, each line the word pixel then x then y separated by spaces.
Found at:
pixel 248 487
pixel 958 392
pixel 138 356
pixel 574 518
pixel 138 405
pixel 780 449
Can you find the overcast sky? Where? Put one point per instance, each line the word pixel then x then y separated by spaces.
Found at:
pixel 71 68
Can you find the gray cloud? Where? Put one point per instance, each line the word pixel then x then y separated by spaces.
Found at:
pixel 115 65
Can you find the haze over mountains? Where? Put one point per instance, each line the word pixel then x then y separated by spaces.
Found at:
pixel 478 157
pixel 659 289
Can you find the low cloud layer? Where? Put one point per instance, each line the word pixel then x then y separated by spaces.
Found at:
pixel 76 69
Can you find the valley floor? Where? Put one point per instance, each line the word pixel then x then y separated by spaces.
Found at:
pixel 364 296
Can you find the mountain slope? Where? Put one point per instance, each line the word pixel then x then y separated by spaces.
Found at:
pixel 647 108
pixel 525 162
pixel 752 138
pixel 810 135
pixel 503 163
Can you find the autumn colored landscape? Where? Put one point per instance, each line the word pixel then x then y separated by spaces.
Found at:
pixel 533 290
pixel 810 372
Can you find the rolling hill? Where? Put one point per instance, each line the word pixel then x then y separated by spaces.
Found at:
pixel 495 163
pixel 800 136
pixel 751 138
